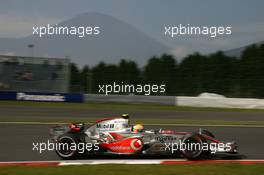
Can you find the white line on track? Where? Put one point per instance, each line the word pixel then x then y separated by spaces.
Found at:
pixel 156 124
pixel 99 162
pixel 126 161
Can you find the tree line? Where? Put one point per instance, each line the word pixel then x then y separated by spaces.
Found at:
pixel 196 73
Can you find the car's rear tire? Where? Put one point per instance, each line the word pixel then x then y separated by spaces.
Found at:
pixel 194 143
pixel 207 153
pixel 64 142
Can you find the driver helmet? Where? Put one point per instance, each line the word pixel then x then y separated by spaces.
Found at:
pixel 138 128
pixel 125 116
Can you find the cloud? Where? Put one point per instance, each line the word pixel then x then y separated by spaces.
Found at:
pixel 250 28
pixel 15 26
pixel 8 53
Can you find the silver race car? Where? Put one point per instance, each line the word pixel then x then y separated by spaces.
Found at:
pixel 117 136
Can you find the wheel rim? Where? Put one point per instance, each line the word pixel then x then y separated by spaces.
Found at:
pixel 194 147
pixel 64 148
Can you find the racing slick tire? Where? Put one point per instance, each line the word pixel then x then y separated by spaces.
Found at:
pixel 207 153
pixel 65 141
pixel 193 146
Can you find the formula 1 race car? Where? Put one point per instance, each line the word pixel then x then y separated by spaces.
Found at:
pixel 116 136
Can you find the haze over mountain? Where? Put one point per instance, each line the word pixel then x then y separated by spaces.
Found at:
pixel 116 40
pixel 237 52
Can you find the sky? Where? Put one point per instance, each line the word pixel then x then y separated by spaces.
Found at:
pixel 149 16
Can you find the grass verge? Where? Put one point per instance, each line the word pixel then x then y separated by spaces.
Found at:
pixel 123 106
pixel 204 169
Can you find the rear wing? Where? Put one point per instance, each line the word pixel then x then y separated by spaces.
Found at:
pixel 57 131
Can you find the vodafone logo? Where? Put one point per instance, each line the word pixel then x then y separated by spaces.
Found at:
pixel 136 144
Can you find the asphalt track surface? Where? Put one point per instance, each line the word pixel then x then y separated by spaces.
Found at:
pixel 16 141
pixel 35 113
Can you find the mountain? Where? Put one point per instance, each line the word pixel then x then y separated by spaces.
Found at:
pixel 238 51
pixel 116 40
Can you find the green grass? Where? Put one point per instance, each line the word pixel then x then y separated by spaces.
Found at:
pixel 204 169
pixel 123 106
